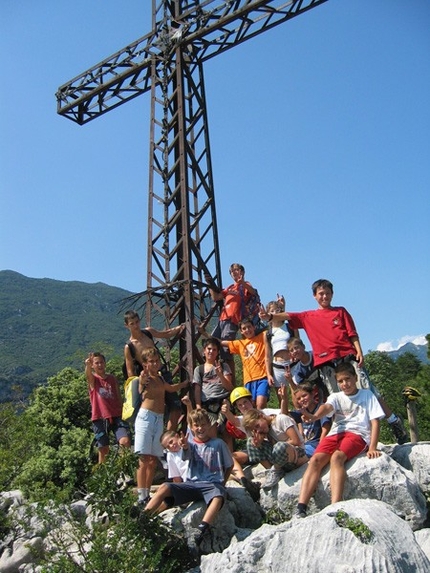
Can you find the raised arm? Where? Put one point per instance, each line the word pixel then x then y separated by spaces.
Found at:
pixel 225 409
pixel 169 333
pixel 283 394
pixel 214 291
pixel 268 360
pixel 225 377
pixel 89 371
pixel 268 316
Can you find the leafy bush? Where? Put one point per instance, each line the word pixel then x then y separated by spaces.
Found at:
pixel 114 541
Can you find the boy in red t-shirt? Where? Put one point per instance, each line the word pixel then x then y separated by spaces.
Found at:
pixel 106 405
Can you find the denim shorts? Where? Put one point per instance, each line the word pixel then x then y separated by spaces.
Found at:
pixel 149 427
pixel 102 427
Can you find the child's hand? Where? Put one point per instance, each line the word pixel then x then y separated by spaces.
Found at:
pixel 183 441
pixel 287 373
pixel 263 314
pixel 281 300
pixel 143 382
pixel 225 408
pixel 373 454
pixel 219 369
pixel 186 400
pixel 307 416
pixel 258 437
pixel 89 360
pixel 282 392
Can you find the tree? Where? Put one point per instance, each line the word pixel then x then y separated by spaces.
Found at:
pixel 391 376
pixel 51 438
pixel 408 366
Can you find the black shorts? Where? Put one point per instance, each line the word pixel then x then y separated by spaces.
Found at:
pixel 189 491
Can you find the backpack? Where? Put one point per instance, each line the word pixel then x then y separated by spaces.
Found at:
pixel 250 309
pixel 132 400
pixel 136 364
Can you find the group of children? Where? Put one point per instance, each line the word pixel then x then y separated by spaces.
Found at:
pixel 335 415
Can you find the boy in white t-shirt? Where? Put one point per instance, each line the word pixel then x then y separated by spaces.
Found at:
pixel 356 414
pixel 177 468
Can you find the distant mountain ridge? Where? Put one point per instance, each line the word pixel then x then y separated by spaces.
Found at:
pixel 46 322
pixel 418 350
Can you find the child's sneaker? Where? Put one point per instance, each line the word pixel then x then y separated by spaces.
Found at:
pixel 273 476
pixel 300 513
pixel 139 506
pixel 195 539
pixel 252 488
pixel 399 431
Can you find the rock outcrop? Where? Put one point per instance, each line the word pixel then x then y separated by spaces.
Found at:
pixel 382 479
pixel 319 544
pixel 384 497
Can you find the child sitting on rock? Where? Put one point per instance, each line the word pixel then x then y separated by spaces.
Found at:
pixel 275 442
pixel 307 399
pixel 356 414
pixel 210 464
pixel 177 468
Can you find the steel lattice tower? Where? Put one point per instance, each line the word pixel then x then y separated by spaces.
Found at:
pixel 168 62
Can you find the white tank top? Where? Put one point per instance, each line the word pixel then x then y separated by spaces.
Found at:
pixel 279 339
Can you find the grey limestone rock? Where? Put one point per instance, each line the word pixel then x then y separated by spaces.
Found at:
pixel 319 544
pixel 381 479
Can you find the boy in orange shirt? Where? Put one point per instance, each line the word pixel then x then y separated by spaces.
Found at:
pixel 252 350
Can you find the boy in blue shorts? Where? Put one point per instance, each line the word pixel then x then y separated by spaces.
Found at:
pixel 149 423
pixel 210 464
pixel 252 351
pixel 356 413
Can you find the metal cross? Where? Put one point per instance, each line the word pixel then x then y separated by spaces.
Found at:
pixel 168 62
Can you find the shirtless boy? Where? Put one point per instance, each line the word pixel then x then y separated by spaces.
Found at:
pixel 150 420
pixel 141 340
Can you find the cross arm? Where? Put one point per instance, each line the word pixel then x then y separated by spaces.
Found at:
pixel 201 32
pixel 233 22
pixel 119 78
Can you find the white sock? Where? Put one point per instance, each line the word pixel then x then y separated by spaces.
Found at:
pixel 143 493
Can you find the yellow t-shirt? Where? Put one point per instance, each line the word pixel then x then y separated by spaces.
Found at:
pixel 252 352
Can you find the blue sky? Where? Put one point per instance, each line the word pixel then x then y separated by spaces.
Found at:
pixel 320 139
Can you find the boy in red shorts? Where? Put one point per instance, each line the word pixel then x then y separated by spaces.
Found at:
pixel 356 414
